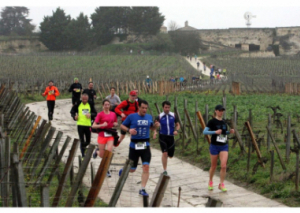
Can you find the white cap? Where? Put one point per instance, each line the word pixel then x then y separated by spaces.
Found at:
pixel 147 76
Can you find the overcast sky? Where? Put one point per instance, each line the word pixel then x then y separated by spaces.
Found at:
pixel 210 14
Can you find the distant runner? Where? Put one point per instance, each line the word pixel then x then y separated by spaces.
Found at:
pixel 91 92
pixel 139 126
pixel 169 126
pixel 76 89
pixel 128 107
pixel 113 98
pixel 84 112
pixel 219 145
pixel 148 83
pixel 51 92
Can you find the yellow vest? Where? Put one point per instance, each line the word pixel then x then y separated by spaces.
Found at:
pixel 82 111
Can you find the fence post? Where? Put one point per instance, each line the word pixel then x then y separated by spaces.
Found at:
pixel 224 105
pixel 65 173
pixel 121 182
pixel 288 140
pixel 272 165
pixel 268 135
pixel 159 191
pixel 196 126
pixel 99 179
pixel 45 200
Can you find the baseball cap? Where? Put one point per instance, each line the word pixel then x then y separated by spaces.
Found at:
pixel 219 107
pixel 75 79
pixel 133 93
pixel 147 76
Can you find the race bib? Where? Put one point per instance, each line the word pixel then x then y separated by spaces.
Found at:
pixel 222 138
pixel 85 111
pixel 140 146
pixel 107 134
pixel 51 92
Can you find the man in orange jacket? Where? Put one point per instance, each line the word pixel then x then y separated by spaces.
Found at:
pixel 51 92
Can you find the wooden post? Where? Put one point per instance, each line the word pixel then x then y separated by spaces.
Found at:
pixel 157 108
pixel 239 138
pixel 121 182
pixel 276 148
pixel 249 154
pixel 45 200
pixel 179 193
pixel 268 135
pixel 92 173
pixel 99 179
pixel 234 115
pixel 224 105
pixel 297 147
pixel 250 117
pixel 145 201
pixel 203 125
pixel 191 124
pixel 254 143
pixel 80 175
pixel 288 140
pixel 30 136
pixel 196 126
pixel 272 165
pixel 159 191
pixel 65 173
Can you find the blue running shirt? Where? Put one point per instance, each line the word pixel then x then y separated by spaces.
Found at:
pixel 141 124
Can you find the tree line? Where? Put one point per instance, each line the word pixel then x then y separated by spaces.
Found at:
pixel 60 32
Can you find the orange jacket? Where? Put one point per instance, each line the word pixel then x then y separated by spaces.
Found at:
pixel 51 93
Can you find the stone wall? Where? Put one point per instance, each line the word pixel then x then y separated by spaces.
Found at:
pixel 21 46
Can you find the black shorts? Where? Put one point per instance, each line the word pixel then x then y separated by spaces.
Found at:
pixel 123 132
pixel 145 155
pixel 75 100
pixel 167 144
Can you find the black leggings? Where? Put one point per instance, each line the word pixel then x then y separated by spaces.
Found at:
pixel 84 131
pixel 50 105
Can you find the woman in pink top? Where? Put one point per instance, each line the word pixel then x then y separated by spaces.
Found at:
pixel 105 120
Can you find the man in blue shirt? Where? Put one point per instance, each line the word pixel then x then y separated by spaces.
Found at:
pixel 139 126
pixel 169 127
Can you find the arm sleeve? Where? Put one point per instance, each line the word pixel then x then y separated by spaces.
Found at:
pixel 56 92
pixel 207 132
pixel 71 88
pixel 119 107
pixel 127 122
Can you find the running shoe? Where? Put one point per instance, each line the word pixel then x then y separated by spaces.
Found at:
pixel 108 174
pixel 165 173
pixel 222 187
pixel 120 172
pixel 210 185
pixel 95 154
pixel 143 192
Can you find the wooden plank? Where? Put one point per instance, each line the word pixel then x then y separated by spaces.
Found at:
pixel 44 190
pixel 202 123
pixel 29 138
pixel 159 191
pixel 80 176
pixel 191 124
pixel 254 143
pixel 65 173
pixel 239 138
pixel 276 148
pixel 120 184
pixel 99 179
pixel 58 159
pixel 179 120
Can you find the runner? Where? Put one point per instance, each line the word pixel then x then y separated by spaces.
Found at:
pixel 219 145
pixel 139 126
pixel 128 107
pixel 148 83
pixel 91 92
pixel 51 92
pixel 169 126
pixel 84 112
pixel 105 121
pixel 113 98
pixel 76 89
pixel 198 64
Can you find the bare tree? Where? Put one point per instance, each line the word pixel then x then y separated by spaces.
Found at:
pixel 173 26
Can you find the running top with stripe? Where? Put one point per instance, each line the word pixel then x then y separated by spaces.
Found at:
pixel 142 125
pixel 167 123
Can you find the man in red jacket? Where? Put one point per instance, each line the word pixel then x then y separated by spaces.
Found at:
pixel 51 92
pixel 128 107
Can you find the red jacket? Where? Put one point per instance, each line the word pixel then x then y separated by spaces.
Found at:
pixel 51 97
pixel 132 108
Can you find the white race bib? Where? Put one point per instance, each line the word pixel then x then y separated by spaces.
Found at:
pixel 222 138
pixel 85 111
pixel 107 134
pixel 140 146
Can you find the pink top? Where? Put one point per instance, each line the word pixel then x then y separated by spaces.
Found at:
pixel 109 118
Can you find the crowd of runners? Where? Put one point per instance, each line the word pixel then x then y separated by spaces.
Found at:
pixel 138 124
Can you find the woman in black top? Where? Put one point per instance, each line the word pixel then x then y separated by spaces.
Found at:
pixel 219 145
